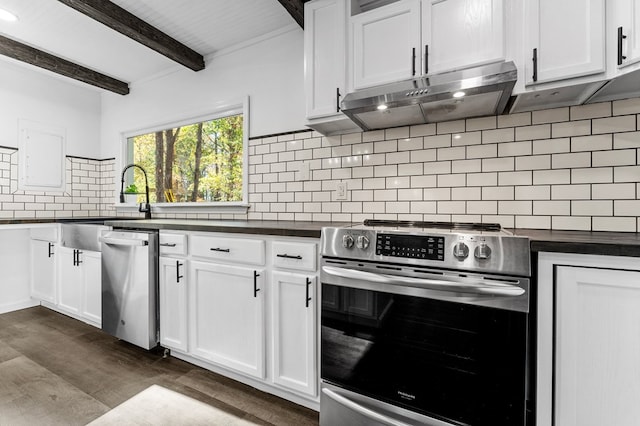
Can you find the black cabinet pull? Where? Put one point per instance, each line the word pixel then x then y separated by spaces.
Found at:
pixel 338 99
pixel 78 262
pixel 413 61
pixel 288 256
pixel 219 249
pixel 426 59
pixel 50 249
pixel 167 244
pixel 75 255
pixel 535 64
pixel 178 276
pixel 255 283
pixel 308 299
pixel 620 38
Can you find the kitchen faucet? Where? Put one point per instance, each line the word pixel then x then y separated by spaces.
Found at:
pixel 147 207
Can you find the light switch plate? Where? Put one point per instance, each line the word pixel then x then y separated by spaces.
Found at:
pixel 341 191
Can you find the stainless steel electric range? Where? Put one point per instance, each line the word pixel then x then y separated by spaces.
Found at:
pixel 425 323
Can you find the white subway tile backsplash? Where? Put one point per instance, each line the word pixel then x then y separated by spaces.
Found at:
pixel 534 162
pixel 451 180
pixel 437 194
pixel 466 166
pixel 515 207
pixel 498 135
pixel 451 127
pixel 551 177
pixel 455 153
pixel 422 130
pixel 592 175
pixel 571 192
pixel 572 160
pixel 578 223
pixel 482 207
pixel 514 120
pixel 571 128
pixel 552 208
pixel 533 222
pixel 498 193
pixel 514 178
pixel 469 138
pixel 582 112
pixel 622 123
pixel 374 135
pixel 440 141
pixel 482 179
pixel 592 208
pixel 482 123
pixel 626 106
pixel 591 143
pixel 397 133
pixel 513 149
pixel 471 193
pixel 533 192
pixel 497 164
pixel 482 151
pixel 626 174
pixel 626 140
pixel 613 191
pixel 541 131
pixel 554 115
pixel 410 144
pixel 621 157
pixel 385 146
pixel 613 224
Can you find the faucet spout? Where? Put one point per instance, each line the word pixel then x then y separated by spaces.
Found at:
pixel 144 207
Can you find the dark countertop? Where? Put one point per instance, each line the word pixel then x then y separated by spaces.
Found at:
pixel 582 242
pixel 263 227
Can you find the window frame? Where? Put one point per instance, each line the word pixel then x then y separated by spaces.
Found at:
pixel 223 110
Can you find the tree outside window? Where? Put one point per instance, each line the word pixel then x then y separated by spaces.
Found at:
pixel 199 162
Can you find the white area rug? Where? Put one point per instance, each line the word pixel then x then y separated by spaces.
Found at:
pixel 160 406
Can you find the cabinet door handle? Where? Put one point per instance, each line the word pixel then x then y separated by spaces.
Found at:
pixel 167 244
pixel 288 256
pixel 535 64
pixel 219 249
pixel 426 59
pixel 255 283
pixel 50 249
pixel 178 276
pixel 620 38
pixel 75 257
pixel 338 99
pixel 308 299
pixel 78 262
pixel 413 61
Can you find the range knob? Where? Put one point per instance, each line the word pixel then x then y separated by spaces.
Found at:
pixel 460 250
pixel 362 242
pixel 347 241
pixel 482 252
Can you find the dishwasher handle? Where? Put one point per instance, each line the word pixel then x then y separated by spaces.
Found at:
pixel 123 241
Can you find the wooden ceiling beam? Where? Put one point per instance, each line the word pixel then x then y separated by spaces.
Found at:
pixel 295 9
pixel 117 18
pixel 31 55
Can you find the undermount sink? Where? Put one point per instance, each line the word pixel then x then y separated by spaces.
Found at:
pixel 83 235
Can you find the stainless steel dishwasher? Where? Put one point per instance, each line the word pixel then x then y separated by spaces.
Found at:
pixel 130 286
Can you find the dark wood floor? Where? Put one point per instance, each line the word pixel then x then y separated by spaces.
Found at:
pixel 56 370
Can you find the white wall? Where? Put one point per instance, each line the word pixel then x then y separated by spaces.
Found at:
pixel 270 72
pixel 26 93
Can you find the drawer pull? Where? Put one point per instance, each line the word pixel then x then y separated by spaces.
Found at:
pixel 255 283
pixel 308 298
pixel 167 244
pixel 219 249
pixel 178 276
pixel 288 256
pixel 50 249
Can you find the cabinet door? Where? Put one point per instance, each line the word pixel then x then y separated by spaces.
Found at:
pixel 92 281
pixel 43 270
pixel 173 303
pixel 294 331
pixel 324 51
pixel 597 347
pixel 386 44
pixel 461 33
pixel 227 316
pixel 70 281
pixel 626 15
pixel 568 38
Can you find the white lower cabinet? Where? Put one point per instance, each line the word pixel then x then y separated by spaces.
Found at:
pixel 588 350
pixel 173 303
pixel 294 331
pixel 227 324
pixel 80 284
pixel 245 307
pixel 43 270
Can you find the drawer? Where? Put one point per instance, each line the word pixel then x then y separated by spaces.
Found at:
pixel 45 233
pixel 173 243
pixel 239 250
pixel 291 255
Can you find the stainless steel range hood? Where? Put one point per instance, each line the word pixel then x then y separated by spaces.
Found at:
pixel 471 92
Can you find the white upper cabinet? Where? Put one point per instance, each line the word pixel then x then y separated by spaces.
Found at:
pixel 324 45
pixel 624 27
pixel 563 39
pixel 461 33
pixel 386 44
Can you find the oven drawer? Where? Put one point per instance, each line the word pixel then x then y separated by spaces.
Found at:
pixel 292 255
pixel 238 250
pixel 173 243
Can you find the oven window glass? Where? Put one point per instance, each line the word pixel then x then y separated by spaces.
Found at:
pixel 456 362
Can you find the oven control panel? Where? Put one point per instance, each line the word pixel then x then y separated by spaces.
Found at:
pixel 410 246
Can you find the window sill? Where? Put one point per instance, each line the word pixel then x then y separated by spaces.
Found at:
pixel 229 208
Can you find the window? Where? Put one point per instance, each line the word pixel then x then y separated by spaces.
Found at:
pixel 198 162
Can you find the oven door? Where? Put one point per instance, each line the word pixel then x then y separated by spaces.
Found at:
pixel 448 347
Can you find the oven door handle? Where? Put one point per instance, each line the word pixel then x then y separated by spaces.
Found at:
pixel 484 287
pixel 362 410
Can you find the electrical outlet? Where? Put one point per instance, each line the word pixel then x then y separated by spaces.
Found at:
pixel 341 191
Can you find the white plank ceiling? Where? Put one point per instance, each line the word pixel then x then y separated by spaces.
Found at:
pixel 206 26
